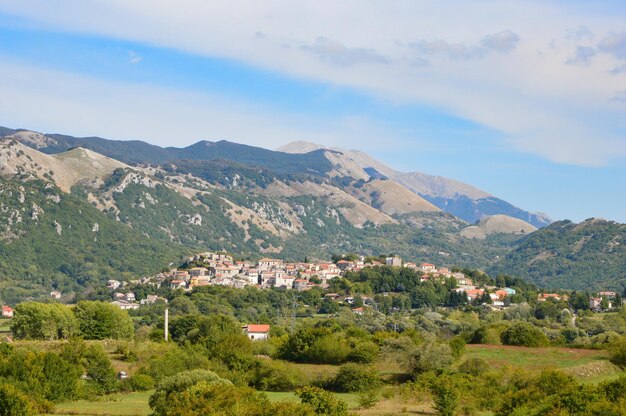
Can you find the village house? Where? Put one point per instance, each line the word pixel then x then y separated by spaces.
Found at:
pixel 198 281
pixel 394 261
pixel 198 271
pixel 358 311
pixel 605 294
pixel 268 264
pixel 301 285
pixel 257 332
pixel 284 281
pixel 55 294
pixel 427 268
pixel 7 312
pixel 113 284
pixel 178 284
pixel 151 300
pixel 545 296
pixel 125 305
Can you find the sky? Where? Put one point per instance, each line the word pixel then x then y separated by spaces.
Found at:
pixel 523 99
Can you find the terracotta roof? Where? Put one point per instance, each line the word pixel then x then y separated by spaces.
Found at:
pixel 258 328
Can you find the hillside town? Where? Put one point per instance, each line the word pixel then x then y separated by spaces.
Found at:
pixel 208 269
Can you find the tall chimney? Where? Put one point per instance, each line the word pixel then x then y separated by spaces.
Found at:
pixel 167 324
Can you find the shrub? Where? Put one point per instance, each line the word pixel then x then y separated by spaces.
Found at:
pixel 355 378
pixel 159 401
pixel 329 349
pixel 218 399
pixel 617 352
pixel 14 403
pixel 322 401
pixel 431 355
pixel 474 366
pixel 445 396
pixel 140 382
pixel 525 335
pixel 363 352
pixel 277 376
pixel 368 400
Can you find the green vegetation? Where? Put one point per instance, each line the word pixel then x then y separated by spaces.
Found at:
pixel 586 256
pixel 57 245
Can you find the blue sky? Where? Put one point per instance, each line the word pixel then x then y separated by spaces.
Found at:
pixel 525 100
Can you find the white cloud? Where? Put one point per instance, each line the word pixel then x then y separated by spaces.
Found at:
pixel 615 44
pixel 83 106
pixel 521 86
pixel 503 41
pixel 134 58
pixel 338 54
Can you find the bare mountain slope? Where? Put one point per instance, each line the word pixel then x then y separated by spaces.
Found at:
pixel 498 224
pixel 65 169
pixel 465 201
pixel 391 197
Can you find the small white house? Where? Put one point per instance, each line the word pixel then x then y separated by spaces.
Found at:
pixel 257 332
pixel 55 294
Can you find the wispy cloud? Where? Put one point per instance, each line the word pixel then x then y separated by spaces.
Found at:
pixel 134 58
pixel 614 44
pixel 338 54
pixel 504 41
pixel 510 81
pixel 582 56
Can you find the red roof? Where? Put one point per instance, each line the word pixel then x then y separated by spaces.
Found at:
pixel 7 308
pixel 258 328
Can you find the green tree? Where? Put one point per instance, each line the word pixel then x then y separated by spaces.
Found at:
pixel 445 396
pixel 14 403
pixel 525 335
pixel 617 352
pixel 160 401
pixel 98 369
pixel 322 401
pixel 355 378
pixel 102 320
pixel 43 321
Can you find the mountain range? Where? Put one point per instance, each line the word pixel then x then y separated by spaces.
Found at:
pixel 81 210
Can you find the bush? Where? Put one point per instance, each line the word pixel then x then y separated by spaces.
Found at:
pixel 159 401
pixel 322 401
pixel 445 396
pixel 431 356
pixel 14 403
pixel 218 399
pixel 524 334
pixel 329 349
pixel 364 352
pixel 277 376
pixel 355 378
pixel 474 366
pixel 139 382
pixel 617 352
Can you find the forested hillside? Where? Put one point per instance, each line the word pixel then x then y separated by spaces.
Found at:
pixel 589 255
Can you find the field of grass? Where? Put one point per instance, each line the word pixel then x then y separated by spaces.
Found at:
pixel 590 366
pixel 131 404
pixel 5 326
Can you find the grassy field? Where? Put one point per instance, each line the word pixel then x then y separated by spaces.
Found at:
pixel 131 404
pixel 136 404
pixel 589 366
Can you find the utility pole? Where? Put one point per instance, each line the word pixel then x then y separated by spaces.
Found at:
pixel 166 327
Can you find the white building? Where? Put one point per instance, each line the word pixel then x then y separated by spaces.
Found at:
pixel 257 332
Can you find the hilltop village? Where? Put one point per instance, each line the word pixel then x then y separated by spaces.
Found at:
pixel 209 269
